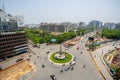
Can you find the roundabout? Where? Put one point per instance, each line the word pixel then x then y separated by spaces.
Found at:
pixel 60 59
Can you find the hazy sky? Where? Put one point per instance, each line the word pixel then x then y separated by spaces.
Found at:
pixel 36 11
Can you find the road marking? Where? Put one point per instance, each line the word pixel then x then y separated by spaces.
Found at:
pixel 97 66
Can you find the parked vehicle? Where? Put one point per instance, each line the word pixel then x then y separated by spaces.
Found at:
pixel 20 59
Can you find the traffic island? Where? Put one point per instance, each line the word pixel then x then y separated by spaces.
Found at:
pixel 60 59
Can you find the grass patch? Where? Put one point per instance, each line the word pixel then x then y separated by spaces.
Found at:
pixel 67 59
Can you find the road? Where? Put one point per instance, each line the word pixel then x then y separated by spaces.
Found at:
pixel 98 56
pixel 90 72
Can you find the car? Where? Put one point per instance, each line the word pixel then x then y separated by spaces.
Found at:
pixel 34 45
pixel 0 68
pixel 72 68
pixel 53 77
pixel 20 59
pixel 72 63
pixel 81 52
pixel 84 66
pixel 1 60
pixel 74 59
pixel 47 52
pixel 51 49
pixel 67 68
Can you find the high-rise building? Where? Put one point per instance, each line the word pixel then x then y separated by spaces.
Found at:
pixel 10 18
pixel 95 23
pixel 8 27
pixel 13 40
pixel 12 43
pixel 2 14
pixel 117 26
pixel 110 25
pixel 18 19
pixel 82 25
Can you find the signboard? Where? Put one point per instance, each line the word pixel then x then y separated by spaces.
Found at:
pixel 53 40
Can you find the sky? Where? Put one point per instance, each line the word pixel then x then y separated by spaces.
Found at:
pixel 37 11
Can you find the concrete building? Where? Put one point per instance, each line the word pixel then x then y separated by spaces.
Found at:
pixel 12 44
pixel 8 27
pixel 2 14
pixel 54 27
pixel 117 26
pixel 12 41
pixel 32 25
pixel 110 25
pixel 82 25
pixel 95 23
pixel 18 19
pixel 5 17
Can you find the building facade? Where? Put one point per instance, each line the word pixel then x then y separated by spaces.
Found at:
pixel 13 40
pixel 54 27
pixel 5 17
pixel 117 26
pixel 8 27
pixel 12 44
pixel 110 25
pixel 95 23
pixel 82 25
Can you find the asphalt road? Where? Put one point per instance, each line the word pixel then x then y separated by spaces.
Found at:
pixel 90 71
pixel 98 56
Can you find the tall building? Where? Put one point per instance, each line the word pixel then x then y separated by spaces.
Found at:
pixel 10 18
pixel 117 26
pixel 110 25
pixel 82 25
pixel 19 19
pixel 12 44
pixel 13 40
pixel 95 23
pixel 8 27
pixel 2 14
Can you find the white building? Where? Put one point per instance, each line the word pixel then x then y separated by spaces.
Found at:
pixel 5 17
pixel 2 14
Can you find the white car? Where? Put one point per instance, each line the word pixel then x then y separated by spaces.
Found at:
pixel 72 63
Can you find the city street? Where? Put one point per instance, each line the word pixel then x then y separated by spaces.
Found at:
pixel 59 40
pixel 98 56
pixel 83 70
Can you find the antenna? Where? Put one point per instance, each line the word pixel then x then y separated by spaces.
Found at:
pixel 3 8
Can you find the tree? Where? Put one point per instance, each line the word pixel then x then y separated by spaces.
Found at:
pixel 111 34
